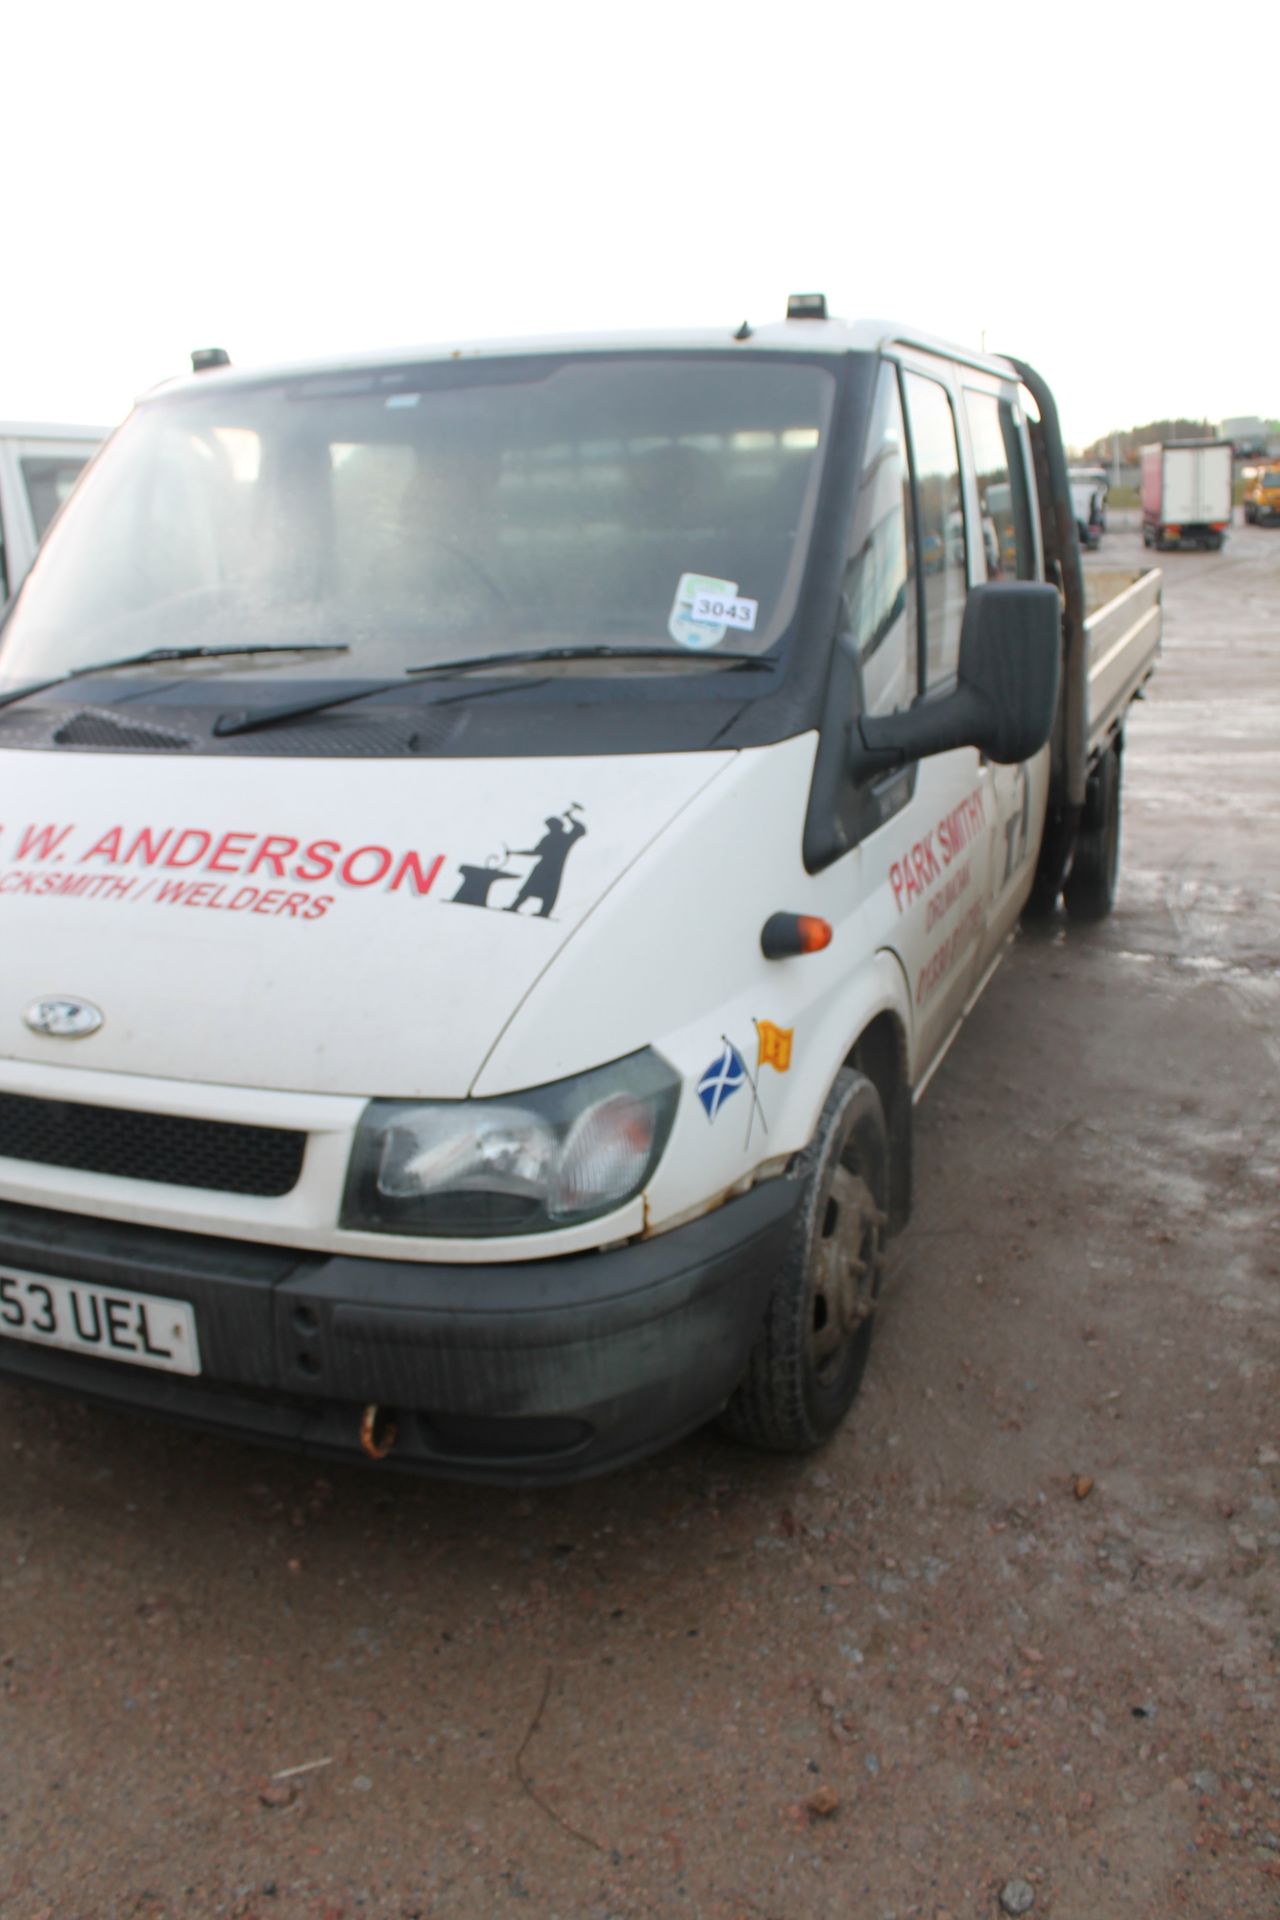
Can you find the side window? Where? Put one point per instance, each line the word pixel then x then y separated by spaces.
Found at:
pixel 879 583
pixel 48 480
pixel 1003 503
pixel 936 463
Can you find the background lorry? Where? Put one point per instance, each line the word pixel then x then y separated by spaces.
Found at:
pixel 1186 493
pixel 39 465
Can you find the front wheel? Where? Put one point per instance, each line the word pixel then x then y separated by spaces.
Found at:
pixel 808 1359
pixel 1090 889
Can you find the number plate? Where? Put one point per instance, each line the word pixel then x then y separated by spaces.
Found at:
pixel 114 1325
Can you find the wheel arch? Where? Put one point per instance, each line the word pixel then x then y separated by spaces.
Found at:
pixel 880 1053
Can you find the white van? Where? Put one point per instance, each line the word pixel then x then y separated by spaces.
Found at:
pixel 494 842
pixel 39 465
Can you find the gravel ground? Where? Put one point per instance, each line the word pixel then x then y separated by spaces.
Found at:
pixel 1008 1645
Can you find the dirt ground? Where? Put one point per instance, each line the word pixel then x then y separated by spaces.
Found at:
pixel 1014 1634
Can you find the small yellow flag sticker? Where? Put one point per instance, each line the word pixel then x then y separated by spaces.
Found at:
pixel 775 1045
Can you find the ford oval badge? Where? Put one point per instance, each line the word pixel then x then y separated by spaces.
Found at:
pixel 63 1018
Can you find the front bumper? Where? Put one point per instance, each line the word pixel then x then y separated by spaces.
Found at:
pixel 543 1371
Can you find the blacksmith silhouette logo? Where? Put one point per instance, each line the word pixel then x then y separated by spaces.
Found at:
pixel 541 882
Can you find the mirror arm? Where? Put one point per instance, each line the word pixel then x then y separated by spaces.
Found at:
pixel 883 742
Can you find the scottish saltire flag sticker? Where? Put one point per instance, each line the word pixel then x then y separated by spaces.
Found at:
pixel 727 1072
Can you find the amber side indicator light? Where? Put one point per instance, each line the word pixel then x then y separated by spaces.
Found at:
pixel 784 935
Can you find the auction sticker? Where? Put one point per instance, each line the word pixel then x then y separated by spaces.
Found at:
pixel 705 608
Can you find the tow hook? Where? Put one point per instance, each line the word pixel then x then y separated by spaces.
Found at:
pixel 379 1430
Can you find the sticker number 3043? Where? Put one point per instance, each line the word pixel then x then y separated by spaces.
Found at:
pixel 725 612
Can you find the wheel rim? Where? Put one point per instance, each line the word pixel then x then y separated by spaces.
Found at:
pixel 846 1270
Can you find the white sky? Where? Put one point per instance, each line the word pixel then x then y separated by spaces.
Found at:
pixel 288 180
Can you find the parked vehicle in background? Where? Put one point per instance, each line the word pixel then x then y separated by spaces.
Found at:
pixel 740 691
pixel 1249 436
pixel 1096 479
pixel 1262 495
pixel 39 465
pixel 1087 508
pixel 1186 493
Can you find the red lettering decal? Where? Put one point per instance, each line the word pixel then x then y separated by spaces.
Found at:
pixel 173 890
pixel 275 849
pixel 317 908
pixel 190 833
pixel 147 846
pixel 242 898
pixel 423 880
pixel 43 842
pixel 381 854
pixel 318 853
pixel 268 902
pixel 108 848
pixel 895 881
pixel 292 903
pixel 227 846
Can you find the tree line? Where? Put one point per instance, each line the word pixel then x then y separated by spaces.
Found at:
pixel 1099 452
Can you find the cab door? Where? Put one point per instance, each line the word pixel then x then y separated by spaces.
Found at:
pixel 925 832
pixel 1003 503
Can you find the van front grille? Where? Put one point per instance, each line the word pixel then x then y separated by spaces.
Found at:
pixel 220 1156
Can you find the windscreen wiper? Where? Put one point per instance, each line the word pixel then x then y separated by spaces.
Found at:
pixel 228 724
pixel 159 656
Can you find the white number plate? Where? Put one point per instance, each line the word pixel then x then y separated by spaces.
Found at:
pixel 137 1327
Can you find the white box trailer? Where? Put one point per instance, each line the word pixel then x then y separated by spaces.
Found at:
pixel 1186 493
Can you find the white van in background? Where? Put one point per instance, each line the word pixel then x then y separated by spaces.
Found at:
pixel 39 465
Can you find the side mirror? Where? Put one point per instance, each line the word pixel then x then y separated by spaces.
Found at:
pixel 1006 691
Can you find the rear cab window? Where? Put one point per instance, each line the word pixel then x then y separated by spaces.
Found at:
pixel 942 541
pixel 1006 550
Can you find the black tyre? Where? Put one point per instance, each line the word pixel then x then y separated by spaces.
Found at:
pixel 1146 536
pixel 1090 889
pixel 809 1356
pixel 1042 901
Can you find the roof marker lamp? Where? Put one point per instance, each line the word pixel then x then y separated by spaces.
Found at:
pixel 526 1163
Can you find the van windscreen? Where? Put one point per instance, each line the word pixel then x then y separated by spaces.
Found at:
pixel 444 510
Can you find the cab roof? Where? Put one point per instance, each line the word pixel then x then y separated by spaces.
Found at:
pixel 809 336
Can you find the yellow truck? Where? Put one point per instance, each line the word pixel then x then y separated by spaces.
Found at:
pixel 1262 495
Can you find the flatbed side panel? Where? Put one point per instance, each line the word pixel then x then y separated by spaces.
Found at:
pixel 1122 642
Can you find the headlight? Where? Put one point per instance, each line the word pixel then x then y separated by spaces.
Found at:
pixel 471 1169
